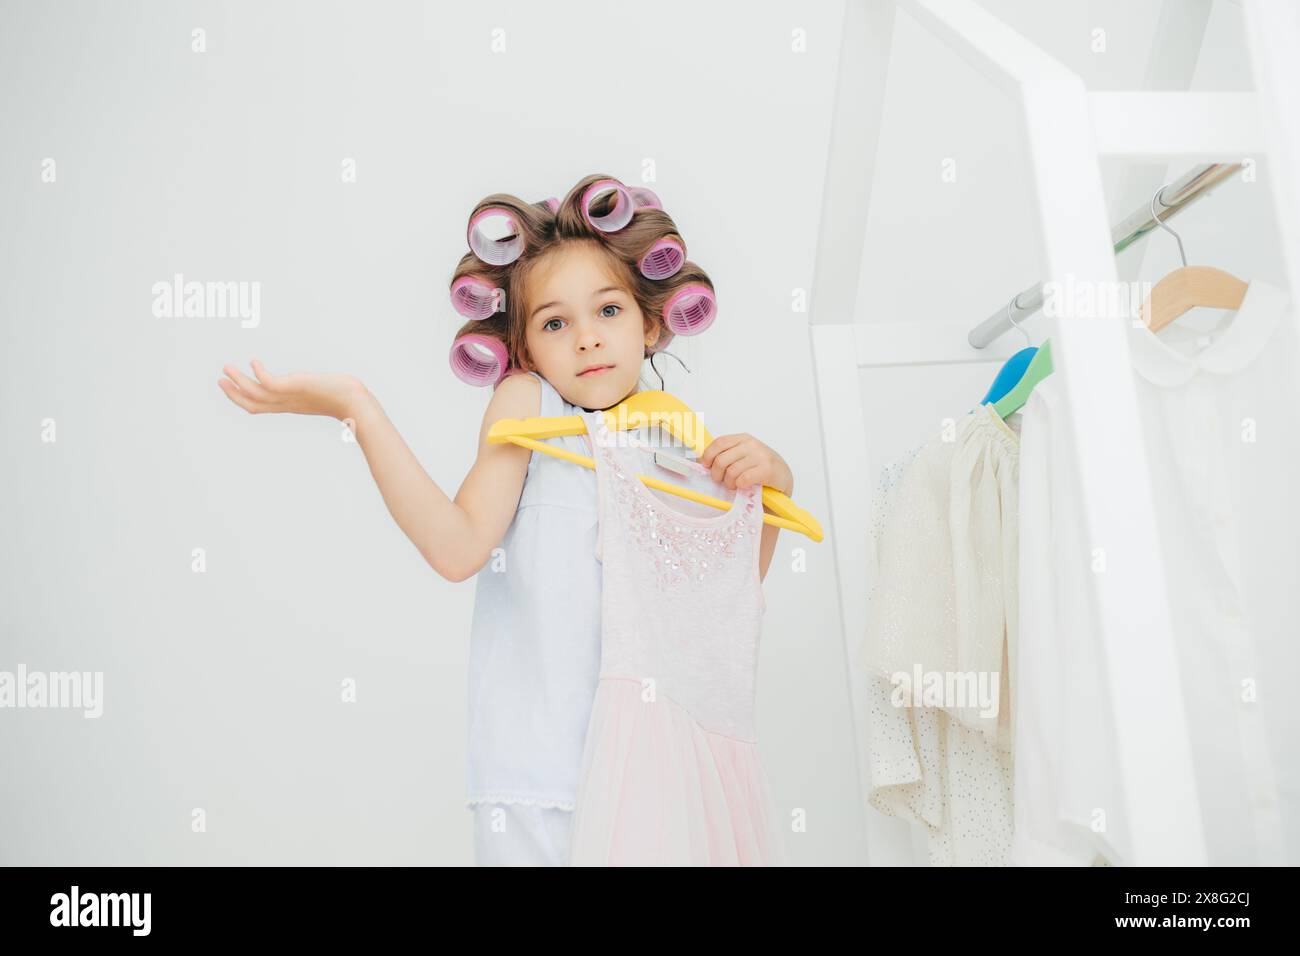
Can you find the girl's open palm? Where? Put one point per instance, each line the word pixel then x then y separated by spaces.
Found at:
pixel 304 393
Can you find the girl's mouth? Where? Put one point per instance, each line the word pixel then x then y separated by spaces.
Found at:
pixel 594 371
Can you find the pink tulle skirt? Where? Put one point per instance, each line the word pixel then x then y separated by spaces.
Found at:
pixel 657 789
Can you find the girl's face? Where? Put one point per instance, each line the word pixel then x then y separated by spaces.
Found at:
pixel 579 319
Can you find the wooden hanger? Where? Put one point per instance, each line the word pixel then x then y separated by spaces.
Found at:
pixel 648 410
pixel 1191 286
pixel 1186 288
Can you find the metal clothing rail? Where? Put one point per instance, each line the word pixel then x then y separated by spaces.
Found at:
pixel 1174 198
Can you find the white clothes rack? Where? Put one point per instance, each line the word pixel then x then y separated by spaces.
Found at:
pixel 1067 130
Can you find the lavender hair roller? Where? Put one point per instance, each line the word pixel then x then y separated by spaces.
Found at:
pixel 474 298
pixel 691 309
pixel 664 259
pixel 495 237
pixel 621 212
pixel 479 359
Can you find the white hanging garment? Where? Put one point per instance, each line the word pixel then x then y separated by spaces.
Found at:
pixel 1222 426
pixel 1222 434
pixel 942 617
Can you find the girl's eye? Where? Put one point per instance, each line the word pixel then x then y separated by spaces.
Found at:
pixel 617 308
pixel 547 324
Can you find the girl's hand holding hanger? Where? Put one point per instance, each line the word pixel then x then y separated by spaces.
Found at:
pixel 741 460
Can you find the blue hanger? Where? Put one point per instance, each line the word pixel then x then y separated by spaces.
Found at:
pixel 1013 369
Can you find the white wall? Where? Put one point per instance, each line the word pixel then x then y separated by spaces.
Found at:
pixel 222 688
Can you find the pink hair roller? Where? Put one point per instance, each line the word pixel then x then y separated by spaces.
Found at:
pixel 645 198
pixel 495 237
pixel 473 298
pixel 479 359
pixel 664 259
pixel 553 204
pixel 619 216
pixel 691 310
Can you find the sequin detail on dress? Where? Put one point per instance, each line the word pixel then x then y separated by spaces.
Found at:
pixel 681 551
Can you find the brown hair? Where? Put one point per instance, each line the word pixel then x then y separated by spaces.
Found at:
pixel 545 232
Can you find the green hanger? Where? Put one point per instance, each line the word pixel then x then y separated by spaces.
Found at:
pixel 1040 366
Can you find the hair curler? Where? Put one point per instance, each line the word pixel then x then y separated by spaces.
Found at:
pixel 691 309
pixel 664 259
pixel 495 237
pixel 621 212
pixel 666 256
pixel 553 204
pixel 479 359
pixel 473 298
pixel 644 198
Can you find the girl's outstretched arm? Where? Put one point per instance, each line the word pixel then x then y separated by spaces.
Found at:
pixel 455 537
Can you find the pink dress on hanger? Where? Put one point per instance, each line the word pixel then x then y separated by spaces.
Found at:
pixel 670 770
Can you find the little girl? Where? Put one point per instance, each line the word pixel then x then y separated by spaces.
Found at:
pixel 573 310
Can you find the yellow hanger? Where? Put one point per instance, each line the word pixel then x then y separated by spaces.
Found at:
pixel 647 410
